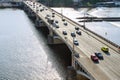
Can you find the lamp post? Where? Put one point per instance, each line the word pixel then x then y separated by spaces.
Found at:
pixel 73 49
pixel 73 46
pixel 84 22
pixel 61 4
pixel 61 11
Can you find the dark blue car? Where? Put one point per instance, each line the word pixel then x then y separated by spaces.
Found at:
pixel 99 55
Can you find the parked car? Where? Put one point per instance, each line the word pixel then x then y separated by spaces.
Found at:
pixel 78 32
pixel 73 34
pixel 105 49
pixel 94 58
pixel 76 42
pixel 99 55
pixel 64 32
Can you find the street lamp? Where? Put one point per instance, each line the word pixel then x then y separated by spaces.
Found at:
pixel 73 36
pixel 84 22
pixel 75 42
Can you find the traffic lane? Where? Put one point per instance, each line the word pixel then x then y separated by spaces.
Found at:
pixel 98 49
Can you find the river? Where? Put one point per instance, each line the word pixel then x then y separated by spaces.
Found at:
pixel 24 52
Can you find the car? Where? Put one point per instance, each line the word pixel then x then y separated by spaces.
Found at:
pixel 77 28
pixel 73 34
pixel 99 55
pixel 76 42
pixel 78 32
pixel 64 32
pixel 41 10
pixel 47 15
pixel 43 7
pixel 56 21
pixel 53 13
pixel 63 19
pixel 94 58
pixel 50 20
pixel 55 25
pixel 105 49
pixel 65 23
pixel 37 10
pixel 77 55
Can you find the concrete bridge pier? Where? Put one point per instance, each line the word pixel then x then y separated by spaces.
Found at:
pixel 39 22
pixel 53 38
pixel 76 71
pixel 81 72
pixel 72 70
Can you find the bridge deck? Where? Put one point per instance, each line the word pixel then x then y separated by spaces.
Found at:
pixel 107 69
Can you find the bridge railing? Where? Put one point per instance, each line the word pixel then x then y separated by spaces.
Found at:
pixel 111 44
pixel 117 47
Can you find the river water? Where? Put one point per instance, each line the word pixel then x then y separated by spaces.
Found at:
pixel 24 52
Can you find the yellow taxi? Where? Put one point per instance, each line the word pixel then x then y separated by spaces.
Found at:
pixel 105 49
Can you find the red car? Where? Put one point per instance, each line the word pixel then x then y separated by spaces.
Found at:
pixel 94 58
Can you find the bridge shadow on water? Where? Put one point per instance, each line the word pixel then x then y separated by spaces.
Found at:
pixel 61 50
pixel 60 54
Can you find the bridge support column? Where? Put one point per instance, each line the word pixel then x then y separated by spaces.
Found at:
pixel 81 72
pixel 71 73
pixel 39 22
pixel 73 60
pixel 53 38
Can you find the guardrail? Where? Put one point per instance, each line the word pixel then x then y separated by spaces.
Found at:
pixel 110 42
pixel 93 34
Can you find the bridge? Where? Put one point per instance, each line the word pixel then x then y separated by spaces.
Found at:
pixel 89 43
